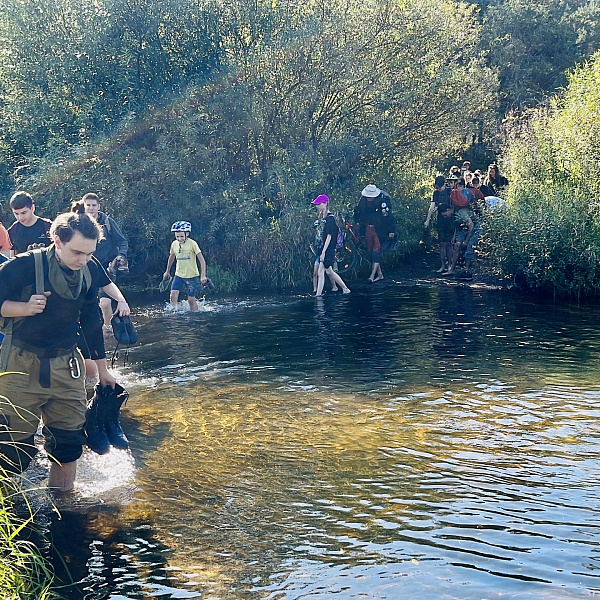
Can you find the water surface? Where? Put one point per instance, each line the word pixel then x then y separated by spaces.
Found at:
pixel 405 441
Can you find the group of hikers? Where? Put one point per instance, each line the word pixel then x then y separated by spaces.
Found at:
pixel 459 200
pixel 58 297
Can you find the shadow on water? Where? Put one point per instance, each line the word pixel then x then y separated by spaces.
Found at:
pixel 399 442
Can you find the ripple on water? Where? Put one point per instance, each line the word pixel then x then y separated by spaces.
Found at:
pixel 410 444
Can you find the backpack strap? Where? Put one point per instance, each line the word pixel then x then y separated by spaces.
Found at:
pixel 10 322
pixel 39 270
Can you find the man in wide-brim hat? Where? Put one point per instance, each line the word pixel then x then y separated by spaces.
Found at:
pixel 377 224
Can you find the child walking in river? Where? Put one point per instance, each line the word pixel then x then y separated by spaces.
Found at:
pixel 327 252
pixel 185 251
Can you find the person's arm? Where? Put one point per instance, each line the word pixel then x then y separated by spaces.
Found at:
pixel 115 293
pixel 391 221
pixel 5 245
pixel 104 375
pixel 169 265
pixel 202 267
pixel 118 239
pixel 34 306
pixel 358 211
pixel 429 213
pixel 470 228
pixel 325 246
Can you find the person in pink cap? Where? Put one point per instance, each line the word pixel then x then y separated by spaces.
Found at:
pixel 326 254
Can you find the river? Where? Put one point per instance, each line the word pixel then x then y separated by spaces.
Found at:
pixel 409 440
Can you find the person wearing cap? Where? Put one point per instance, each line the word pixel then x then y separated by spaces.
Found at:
pixel 319 227
pixel 326 254
pixel 376 223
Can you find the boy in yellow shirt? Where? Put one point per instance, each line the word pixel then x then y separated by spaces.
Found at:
pixel 185 251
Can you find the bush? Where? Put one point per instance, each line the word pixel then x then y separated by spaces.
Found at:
pixel 548 236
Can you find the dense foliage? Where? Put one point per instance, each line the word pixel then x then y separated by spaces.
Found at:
pixel 548 238
pixel 235 115
pixel 302 100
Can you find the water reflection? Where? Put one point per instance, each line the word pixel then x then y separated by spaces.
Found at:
pixel 410 442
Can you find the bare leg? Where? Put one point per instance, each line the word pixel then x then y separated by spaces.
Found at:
pixel 315 277
pixel 454 258
pixel 106 310
pixel 449 252
pixel 62 477
pixel 376 273
pixel 334 287
pixel 174 297
pixel 193 304
pixel 335 277
pixel 373 272
pixel 321 279
pixel 443 257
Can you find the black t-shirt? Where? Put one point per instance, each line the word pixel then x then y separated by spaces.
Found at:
pixel 441 196
pixel 58 325
pixel 21 236
pixel 331 228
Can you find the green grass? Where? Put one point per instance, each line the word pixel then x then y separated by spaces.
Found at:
pixel 24 573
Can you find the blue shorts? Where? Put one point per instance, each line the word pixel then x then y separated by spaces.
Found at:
pixel 461 236
pixel 192 285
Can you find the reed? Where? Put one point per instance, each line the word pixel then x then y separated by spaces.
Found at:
pixel 24 573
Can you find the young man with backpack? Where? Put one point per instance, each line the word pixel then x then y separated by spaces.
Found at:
pixel 111 251
pixel 28 229
pixel 329 240
pixel 44 368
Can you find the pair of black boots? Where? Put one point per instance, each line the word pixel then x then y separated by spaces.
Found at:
pixel 102 419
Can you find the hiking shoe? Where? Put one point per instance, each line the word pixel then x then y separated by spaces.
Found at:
pixel 208 286
pixel 120 330
pixel 131 331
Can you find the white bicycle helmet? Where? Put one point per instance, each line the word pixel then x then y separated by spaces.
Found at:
pixel 184 226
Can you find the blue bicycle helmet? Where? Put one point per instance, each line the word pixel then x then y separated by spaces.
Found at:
pixel 184 226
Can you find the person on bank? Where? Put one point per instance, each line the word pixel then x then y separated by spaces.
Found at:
pixel 326 254
pixel 376 223
pixel 185 251
pixel 111 251
pixel 45 369
pixel 28 229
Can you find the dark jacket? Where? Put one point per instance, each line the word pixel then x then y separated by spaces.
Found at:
pixel 114 242
pixel 379 211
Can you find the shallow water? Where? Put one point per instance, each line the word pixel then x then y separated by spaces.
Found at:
pixel 405 441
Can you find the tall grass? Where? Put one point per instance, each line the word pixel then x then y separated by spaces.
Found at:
pixel 24 573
